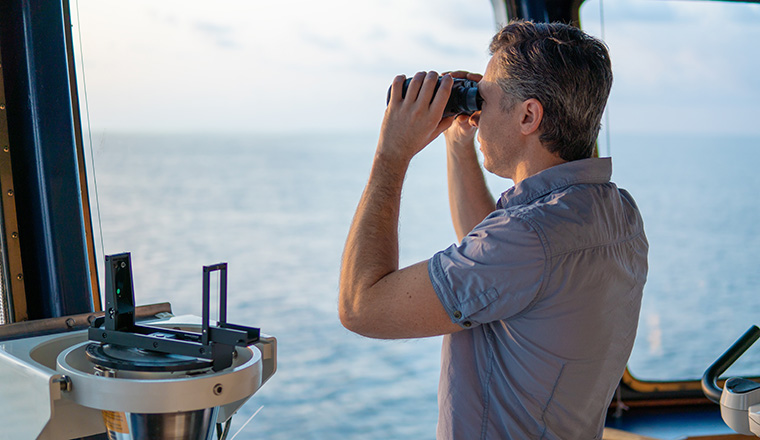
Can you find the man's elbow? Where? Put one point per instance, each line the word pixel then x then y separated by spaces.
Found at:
pixel 356 318
pixel 352 319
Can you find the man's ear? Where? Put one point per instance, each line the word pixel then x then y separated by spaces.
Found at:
pixel 532 114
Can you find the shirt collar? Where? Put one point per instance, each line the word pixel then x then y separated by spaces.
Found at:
pixel 593 170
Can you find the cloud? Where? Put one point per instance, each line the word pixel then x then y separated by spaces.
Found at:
pixel 319 59
pixel 442 47
pixel 638 11
pixel 332 43
pixel 473 16
pixel 220 35
pixel 749 15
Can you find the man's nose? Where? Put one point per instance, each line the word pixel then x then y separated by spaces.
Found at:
pixel 475 119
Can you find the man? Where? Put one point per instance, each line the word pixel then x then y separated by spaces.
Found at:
pixel 539 302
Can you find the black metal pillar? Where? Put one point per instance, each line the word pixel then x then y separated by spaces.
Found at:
pixel 41 132
pixel 565 11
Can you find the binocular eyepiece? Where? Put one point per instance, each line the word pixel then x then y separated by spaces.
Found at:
pixel 464 98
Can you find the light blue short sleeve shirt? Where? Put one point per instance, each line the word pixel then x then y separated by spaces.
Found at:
pixel 548 290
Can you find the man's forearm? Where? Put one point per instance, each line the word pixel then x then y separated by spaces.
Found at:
pixel 372 250
pixel 376 298
pixel 469 199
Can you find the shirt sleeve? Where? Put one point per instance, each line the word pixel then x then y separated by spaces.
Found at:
pixel 494 274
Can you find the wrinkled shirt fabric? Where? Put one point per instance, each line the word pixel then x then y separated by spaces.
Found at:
pixel 548 291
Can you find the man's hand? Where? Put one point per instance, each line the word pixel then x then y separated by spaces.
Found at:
pixel 461 133
pixel 412 122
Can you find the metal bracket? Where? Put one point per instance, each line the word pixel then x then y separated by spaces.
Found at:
pixel 118 327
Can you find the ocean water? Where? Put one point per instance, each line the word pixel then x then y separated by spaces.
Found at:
pixel 277 209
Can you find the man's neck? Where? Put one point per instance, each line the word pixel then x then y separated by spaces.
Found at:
pixel 535 164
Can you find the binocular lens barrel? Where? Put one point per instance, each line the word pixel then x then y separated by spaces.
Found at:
pixel 464 99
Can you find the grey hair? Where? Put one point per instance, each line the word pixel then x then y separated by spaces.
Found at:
pixel 567 71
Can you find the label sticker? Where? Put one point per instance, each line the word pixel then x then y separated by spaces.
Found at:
pixel 116 421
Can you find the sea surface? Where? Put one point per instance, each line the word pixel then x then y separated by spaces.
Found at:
pixel 277 209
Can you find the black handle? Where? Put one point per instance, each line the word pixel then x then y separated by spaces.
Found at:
pixel 710 379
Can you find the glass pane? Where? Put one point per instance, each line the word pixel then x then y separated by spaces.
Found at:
pixel 242 131
pixel 682 130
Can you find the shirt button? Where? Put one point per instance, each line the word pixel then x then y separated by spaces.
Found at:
pixel 457 314
pixel 467 324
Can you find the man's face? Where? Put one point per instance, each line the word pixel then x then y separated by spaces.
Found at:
pixel 498 128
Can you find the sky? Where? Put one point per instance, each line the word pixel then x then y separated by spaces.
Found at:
pixel 304 66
